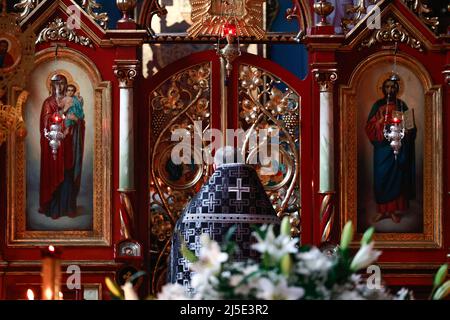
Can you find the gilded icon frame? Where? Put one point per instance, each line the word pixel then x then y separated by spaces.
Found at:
pixel 431 235
pixel 100 234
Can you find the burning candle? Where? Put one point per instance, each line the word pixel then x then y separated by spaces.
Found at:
pixel 30 294
pixel 51 273
pixel 396 120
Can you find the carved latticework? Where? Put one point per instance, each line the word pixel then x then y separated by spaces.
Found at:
pixel 266 103
pixel 181 102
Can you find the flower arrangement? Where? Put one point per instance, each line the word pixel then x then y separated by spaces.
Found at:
pixel 286 271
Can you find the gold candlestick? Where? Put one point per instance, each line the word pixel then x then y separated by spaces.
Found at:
pixel 51 273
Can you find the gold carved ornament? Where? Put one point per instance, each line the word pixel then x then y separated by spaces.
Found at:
pixel 392 31
pixel 11 119
pixel 210 16
pixel 180 102
pixel 25 7
pixel 265 107
pixel 58 30
pixel 421 9
pixel 14 79
pixel 89 6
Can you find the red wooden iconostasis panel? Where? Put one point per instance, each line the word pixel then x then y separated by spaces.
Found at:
pixel 404 266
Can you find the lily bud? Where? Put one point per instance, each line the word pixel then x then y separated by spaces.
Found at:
pixel 347 235
pixel 286 226
pixel 441 275
pixel 286 265
pixel 365 257
pixel 368 235
pixel 442 292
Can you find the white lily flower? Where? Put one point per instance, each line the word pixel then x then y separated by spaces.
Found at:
pixel 210 257
pixel 173 291
pixel 349 295
pixel 129 292
pixel 365 256
pixel 313 261
pixel 276 247
pixel 268 290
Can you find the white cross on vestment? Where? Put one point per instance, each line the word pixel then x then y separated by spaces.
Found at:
pixel 239 189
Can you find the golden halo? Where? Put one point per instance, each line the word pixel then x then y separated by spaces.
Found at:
pixel 65 74
pixel 385 76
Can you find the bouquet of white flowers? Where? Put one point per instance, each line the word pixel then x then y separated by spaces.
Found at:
pixel 286 271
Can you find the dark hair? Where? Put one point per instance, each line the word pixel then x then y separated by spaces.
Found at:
pixel 396 85
pixel 74 88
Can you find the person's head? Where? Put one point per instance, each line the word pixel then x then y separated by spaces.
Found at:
pixel 227 154
pixel 59 85
pixel 4 46
pixel 71 90
pixel 390 88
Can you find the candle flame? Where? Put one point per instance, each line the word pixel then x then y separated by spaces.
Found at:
pixel 51 248
pixel 48 294
pixel 61 296
pixel 30 294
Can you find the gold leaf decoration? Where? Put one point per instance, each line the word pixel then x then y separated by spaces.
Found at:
pixel 102 18
pixel 209 17
pixel 392 31
pixel 58 30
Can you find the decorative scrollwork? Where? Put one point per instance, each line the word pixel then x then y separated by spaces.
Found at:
pixel 357 12
pixel 326 78
pixel 11 119
pixel 181 102
pixel 209 17
pixel 422 10
pixel 26 7
pixel 297 13
pixel 265 105
pixel 58 30
pixel 149 9
pixel 392 31
pixel 102 18
pixel 126 71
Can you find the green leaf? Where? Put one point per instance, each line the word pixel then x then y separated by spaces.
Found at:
pixel 188 254
pixel 442 292
pixel 440 276
pixel 368 235
pixel 230 233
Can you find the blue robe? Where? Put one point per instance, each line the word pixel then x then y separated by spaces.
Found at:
pixel 393 177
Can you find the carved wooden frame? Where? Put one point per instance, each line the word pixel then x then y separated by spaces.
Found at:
pixel 100 235
pixel 431 237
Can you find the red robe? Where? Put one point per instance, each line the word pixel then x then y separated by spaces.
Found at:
pixel 374 131
pixel 8 61
pixel 52 170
